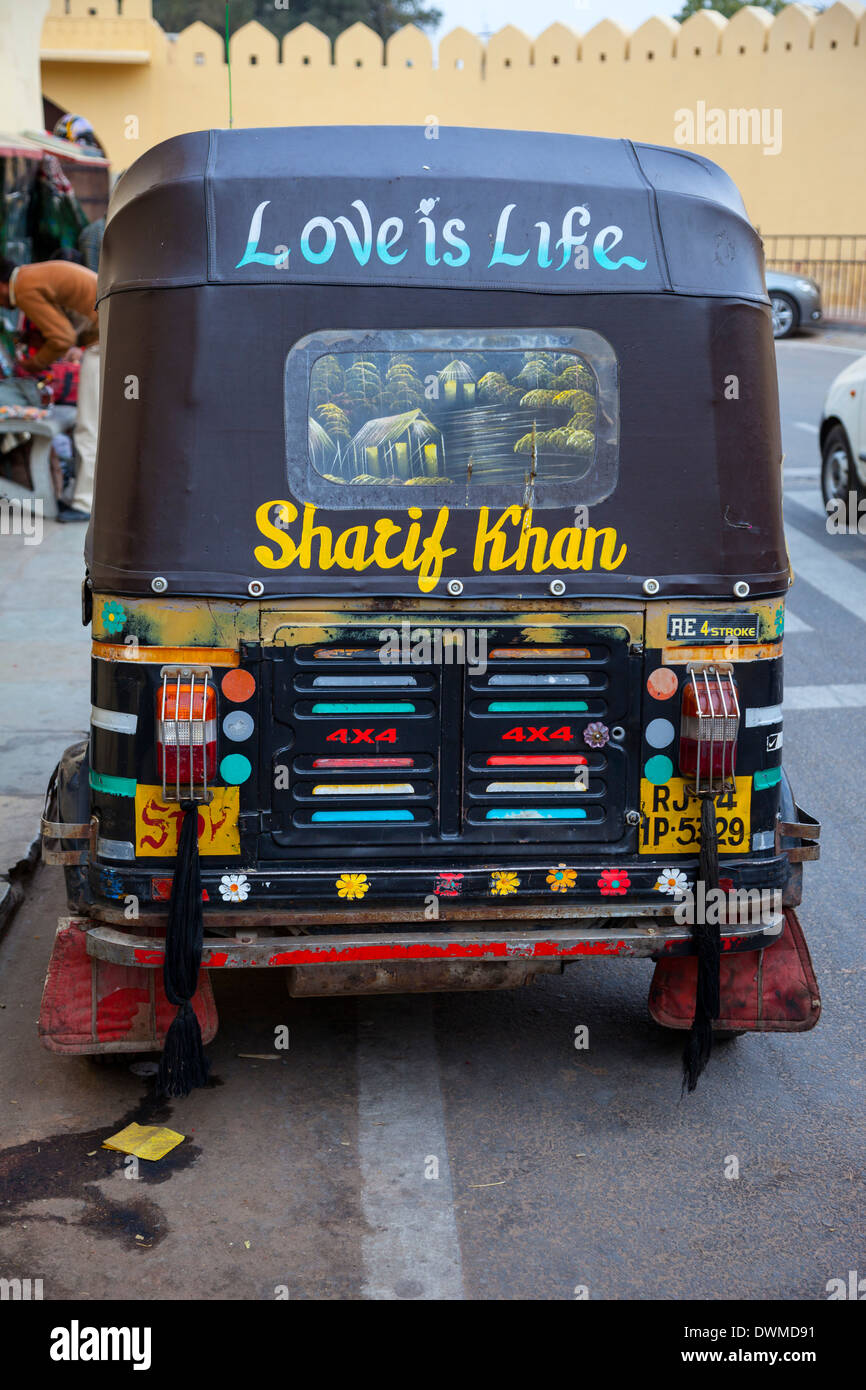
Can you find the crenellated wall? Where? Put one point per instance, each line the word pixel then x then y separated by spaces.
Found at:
pixel 793 88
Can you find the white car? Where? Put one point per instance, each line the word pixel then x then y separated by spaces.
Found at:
pixel 843 434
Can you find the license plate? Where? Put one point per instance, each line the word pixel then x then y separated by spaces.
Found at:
pixel 671 821
pixel 157 823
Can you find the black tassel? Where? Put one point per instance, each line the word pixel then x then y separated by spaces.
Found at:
pixel 708 947
pixel 183 1064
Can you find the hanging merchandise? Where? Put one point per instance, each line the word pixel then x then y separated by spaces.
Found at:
pixel 56 216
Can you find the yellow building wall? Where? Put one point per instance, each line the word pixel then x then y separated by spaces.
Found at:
pixel 20 27
pixel 806 72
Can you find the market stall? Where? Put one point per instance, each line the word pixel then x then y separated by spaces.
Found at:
pixel 51 191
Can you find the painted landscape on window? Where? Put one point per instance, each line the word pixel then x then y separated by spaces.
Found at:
pixel 469 418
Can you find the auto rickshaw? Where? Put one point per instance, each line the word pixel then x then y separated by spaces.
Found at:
pixel 452 738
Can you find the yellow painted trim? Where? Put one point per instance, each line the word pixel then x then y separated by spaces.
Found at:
pixel 289 627
pixel 658 613
pixel 177 622
pixel 173 656
pixel 743 651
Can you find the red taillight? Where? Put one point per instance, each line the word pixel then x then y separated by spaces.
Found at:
pixel 185 733
pixel 709 729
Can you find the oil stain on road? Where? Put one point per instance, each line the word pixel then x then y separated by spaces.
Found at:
pixel 70 1166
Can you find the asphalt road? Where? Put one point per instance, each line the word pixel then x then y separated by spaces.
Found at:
pixel 459 1146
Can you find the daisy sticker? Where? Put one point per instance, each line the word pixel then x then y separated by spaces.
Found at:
pixel 352 886
pixel 234 888
pixel 671 881
pixel 113 616
pixel 502 883
pixel 614 883
pixel 560 879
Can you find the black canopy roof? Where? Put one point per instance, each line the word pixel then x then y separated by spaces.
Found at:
pixel 223 250
pixel 473 209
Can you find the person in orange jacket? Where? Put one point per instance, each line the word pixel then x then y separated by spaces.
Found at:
pixel 59 299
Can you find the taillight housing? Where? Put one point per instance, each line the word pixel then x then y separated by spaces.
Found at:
pixel 709 728
pixel 186 749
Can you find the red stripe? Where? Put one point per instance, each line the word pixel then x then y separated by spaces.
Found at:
pixel 363 762
pixel 446 950
pixel 471 950
pixel 538 760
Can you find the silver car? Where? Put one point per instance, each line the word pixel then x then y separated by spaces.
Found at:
pixel 796 301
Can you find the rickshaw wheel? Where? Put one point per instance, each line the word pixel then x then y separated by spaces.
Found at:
pixel 68 800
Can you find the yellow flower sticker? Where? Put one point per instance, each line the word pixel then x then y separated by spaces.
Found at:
pixel 352 885
pixel 560 879
pixel 503 883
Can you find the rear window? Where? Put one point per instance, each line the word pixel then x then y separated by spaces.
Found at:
pixel 463 419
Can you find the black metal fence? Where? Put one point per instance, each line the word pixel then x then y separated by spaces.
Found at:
pixel 837 263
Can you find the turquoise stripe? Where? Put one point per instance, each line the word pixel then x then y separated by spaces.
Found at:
pixel 370 817
pixel 379 707
pixel 768 778
pixel 537 707
pixel 548 813
pixel 115 786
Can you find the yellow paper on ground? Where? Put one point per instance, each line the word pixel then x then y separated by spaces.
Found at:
pixel 145 1141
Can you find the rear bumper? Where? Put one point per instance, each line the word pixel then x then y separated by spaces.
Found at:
pixel 352 894
pixel 507 941
pixel 104 991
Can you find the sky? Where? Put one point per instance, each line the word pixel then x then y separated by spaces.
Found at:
pixel 534 15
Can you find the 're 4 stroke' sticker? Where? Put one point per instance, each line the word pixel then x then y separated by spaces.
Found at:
pixel 712 628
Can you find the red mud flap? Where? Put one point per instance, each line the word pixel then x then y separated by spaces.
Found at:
pixel 769 991
pixel 91 1005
